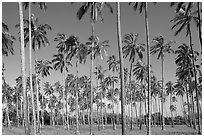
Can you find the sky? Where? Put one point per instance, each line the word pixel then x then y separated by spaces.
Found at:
pixel 62 18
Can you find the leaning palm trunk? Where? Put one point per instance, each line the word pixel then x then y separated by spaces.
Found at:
pixel 30 72
pixel 121 68
pixel 196 89
pixel 148 63
pixel 22 52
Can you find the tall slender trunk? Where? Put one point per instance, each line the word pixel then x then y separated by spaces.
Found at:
pixel 162 98
pixel 136 113
pixel 193 111
pixel 102 123
pixel 113 117
pixel 199 25
pixel 42 115
pixel 66 109
pixel 91 75
pixel 7 112
pixel 172 121
pixel 121 68
pixel 22 51
pixel 17 114
pixel 30 71
pixel 148 63
pixel 37 97
pixel 77 109
pixel 140 113
pixel 63 98
pixel 196 89
pixel 131 127
pixel 189 113
pixel 22 113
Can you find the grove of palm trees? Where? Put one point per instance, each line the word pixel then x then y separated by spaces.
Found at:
pixel 101 68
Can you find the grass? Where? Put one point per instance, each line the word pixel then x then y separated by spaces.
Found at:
pixel 108 130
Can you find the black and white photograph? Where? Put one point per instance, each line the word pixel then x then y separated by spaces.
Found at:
pixel 101 68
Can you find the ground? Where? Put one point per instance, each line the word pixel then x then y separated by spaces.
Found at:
pixel 108 130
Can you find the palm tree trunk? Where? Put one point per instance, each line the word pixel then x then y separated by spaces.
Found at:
pixel 102 123
pixel 193 112
pixel 91 76
pixel 196 89
pixel 148 63
pixel 140 113
pixel 113 118
pixel 66 109
pixel 17 114
pixel 199 25
pixel 77 109
pixel 162 98
pixel 37 98
pixel 42 115
pixel 121 68
pixel 7 113
pixel 63 98
pixel 22 52
pixel 189 113
pixel 30 72
pixel 172 122
pixel 136 113
pixel 22 113
pixel 105 115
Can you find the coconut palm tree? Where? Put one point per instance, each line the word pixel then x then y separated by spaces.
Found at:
pixel 61 61
pixel 95 11
pixel 7 41
pixel 38 35
pixel 111 95
pixel 100 72
pixel 42 5
pixel 161 47
pixel 79 51
pixel 7 98
pixel 170 92
pixel 184 72
pixel 132 48
pixel 183 21
pixel 42 68
pixel 22 51
pixel 119 38
pixel 143 7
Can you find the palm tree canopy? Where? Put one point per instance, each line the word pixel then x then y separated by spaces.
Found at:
pixel 161 47
pixel 7 41
pixel 42 5
pixel 43 67
pixel 59 63
pixel 184 17
pixel 131 47
pixel 113 64
pixel 96 10
pixel 38 33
